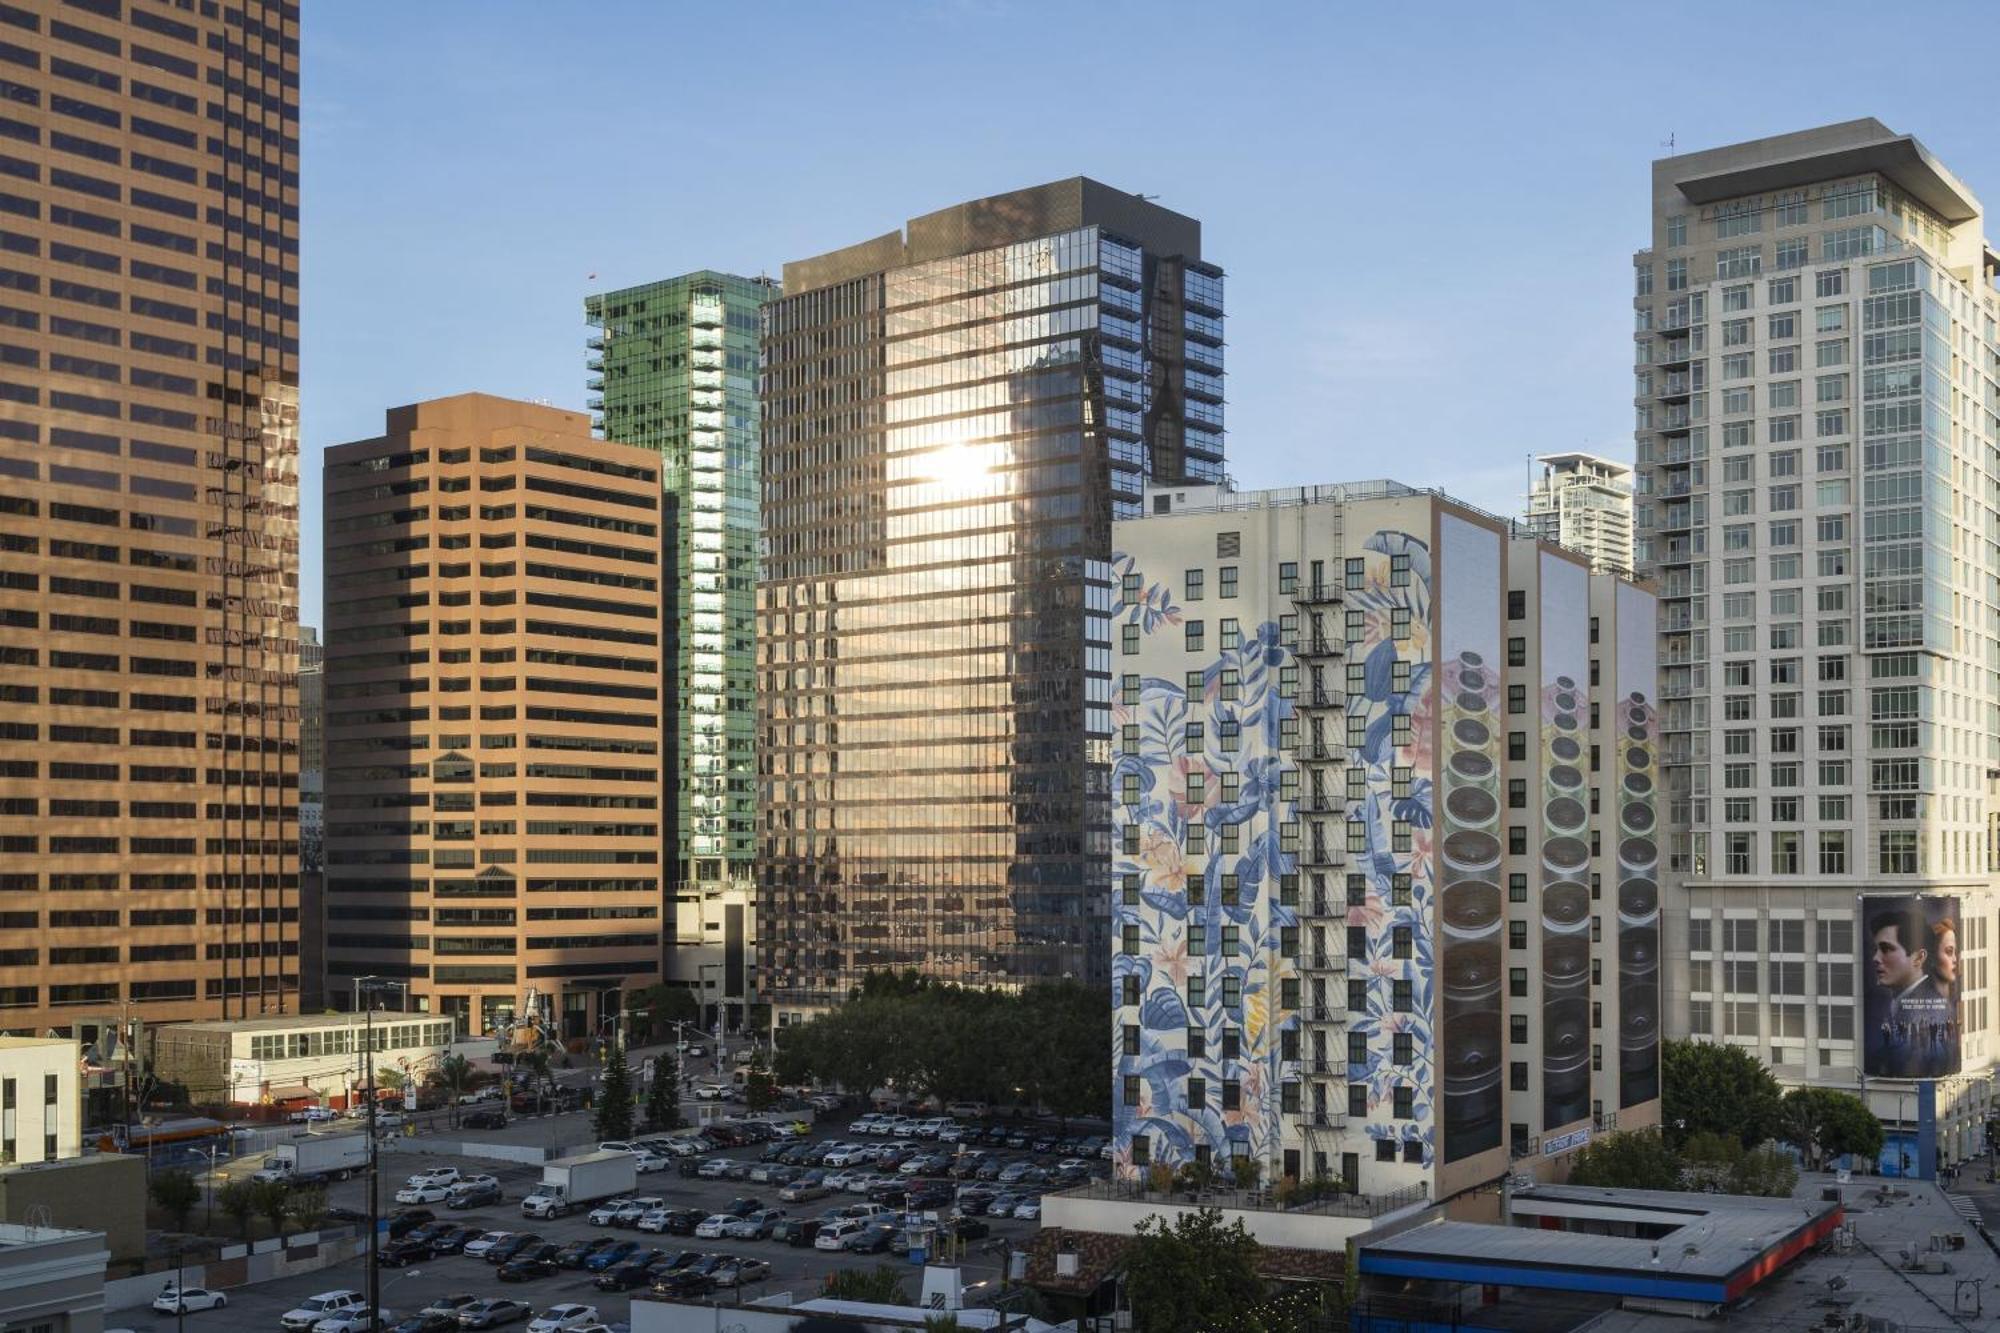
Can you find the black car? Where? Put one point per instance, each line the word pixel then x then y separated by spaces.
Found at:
pixel 871 1239
pixel 610 1255
pixel 683 1221
pixel 487 1119
pixel 973 1202
pixel 799 1231
pixel 401 1253
pixel 512 1246
pixel 433 1322
pixel 743 1206
pixel 473 1196
pixel 574 1254
pixel 891 1192
pixel 532 1262
pixel 403 1223
pixel 928 1196
pixel 683 1282
pixel 453 1239
pixel 339 1214
pixel 627 1276
pixel 969 1228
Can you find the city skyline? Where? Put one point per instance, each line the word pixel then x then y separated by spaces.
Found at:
pixel 1390 311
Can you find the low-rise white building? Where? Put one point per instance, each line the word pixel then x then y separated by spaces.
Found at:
pixel 52 1279
pixel 40 1104
pixel 295 1057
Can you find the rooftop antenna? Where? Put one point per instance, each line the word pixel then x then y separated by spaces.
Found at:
pixel 1146 198
pixel 1668 143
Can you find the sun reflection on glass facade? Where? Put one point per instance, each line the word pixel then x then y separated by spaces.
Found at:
pixel 952 419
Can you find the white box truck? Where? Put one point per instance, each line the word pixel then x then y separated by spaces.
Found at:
pixel 315 1159
pixel 570 1182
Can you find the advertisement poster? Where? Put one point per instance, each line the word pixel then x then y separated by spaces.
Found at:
pixel 1567 915
pixel 1910 986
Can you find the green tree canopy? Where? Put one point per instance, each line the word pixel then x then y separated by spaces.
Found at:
pixel 880 1285
pixel 655 1010
pixel 1638 1160
pixel 663 1098
pixel 1824 1123
pixel 239 1200
pixel 176 1192
pixel 1711 1087
pixel 613 1116
pixel 1192 1275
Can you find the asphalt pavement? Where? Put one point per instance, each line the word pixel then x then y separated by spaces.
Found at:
pixel 798 1270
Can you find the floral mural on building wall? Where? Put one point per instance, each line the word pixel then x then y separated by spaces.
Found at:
pixel 1175 917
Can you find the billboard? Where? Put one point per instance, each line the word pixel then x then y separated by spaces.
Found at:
pixel 1910 986
pixel 1565 880
pixel 1635 737
pixel 1470 903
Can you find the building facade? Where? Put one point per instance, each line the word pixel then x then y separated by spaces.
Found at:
pixel 953 416
pixel 301 1058
pixel 493 685
pixel 52 1278
pixel 312 820
pixel 1585 503
pixel 1386 850
pixel 1817 372
pixel 41 1102
pixel 149 521
pixel 675 365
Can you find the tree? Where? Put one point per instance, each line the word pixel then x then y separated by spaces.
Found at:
pixel 239 1200
pixel 1767 1170
pixel 307 1207
pixel 759 1091
pixel 663 1099
pixel 274 1201
pixel 1708 1086
pixel 1192 1275
pixel 1823 1123
pixel 176 1192
pixel 880 1285
pixel 613 1118
pixel 455 1074
pixel 655 1010
pixel 1639 1160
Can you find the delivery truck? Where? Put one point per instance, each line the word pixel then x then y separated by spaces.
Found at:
pixel 315 1159
pixel 571 1182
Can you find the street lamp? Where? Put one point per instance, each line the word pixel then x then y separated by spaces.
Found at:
pixel 367 987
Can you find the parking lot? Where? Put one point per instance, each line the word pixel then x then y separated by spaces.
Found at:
pixel 800 1270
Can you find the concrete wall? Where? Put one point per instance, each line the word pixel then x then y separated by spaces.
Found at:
pixel 104 1193
pixel 51 1279
pixel 239 1267
pixel 26 1062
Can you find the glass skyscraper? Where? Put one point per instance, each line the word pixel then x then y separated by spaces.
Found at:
pixel 953 415
pixel 674 368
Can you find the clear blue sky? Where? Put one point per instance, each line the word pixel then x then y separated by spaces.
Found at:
pixel 1426 212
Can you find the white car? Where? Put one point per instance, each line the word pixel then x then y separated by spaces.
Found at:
pixel 189 1299
pixel 709 1092
pixel 847 1155
pixel 648 1162
pixel 475 1249
pixel 834 1236
pixel 423 1194
pixel 1031 1211
pixel 437 1175
pixel 312 1309
pixel 633 1209
pixel 312 1115
pixel 564 1318
pixel 354 1321
pixel 616 1145
pixel 606 1213
pixel 715 1226
pixel 653 1220
pixel 385 1120
pixel 449 1306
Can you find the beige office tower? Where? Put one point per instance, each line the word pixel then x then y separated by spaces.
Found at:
pixel 493 719
pixel 1585 503
pixel 149 164
pixel 1816 434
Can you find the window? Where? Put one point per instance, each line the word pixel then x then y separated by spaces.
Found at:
pixel 1195 632
pixel 1228 580
pixel 1128 639
pixel 1677 234
pixel 1194 579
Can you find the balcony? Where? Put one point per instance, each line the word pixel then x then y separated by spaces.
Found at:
pixel 1319 803
pixel 1318 594
pixel 1318 960
pixel 595 342
pixel 1322 699
pixel 1328 858
pixel 1318 645
pixel 1319 752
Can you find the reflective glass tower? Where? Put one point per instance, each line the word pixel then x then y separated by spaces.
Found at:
pixel 953 415
pixel 674 368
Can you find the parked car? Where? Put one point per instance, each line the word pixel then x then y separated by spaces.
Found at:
pixel 474 1195
pixel 532 1262
pixel 481 1246
pixel 577 1251
pixel 313 1115
pixel 614 1253
pixel 1028 1210
pixel 872 1238
pixel 422 1194
pixel 834 1235
pixel 739 1271
pixel 402 1253
pixel 312 1309
pixel 511 1246
pixel 810 1186
pixel 635 1272
pixel 453 1240
pixel 714 1226
pixel 484 1119
pixel 630 1211
pixel 363 1320
pixel 688 1281
pixel 648 1162
pixel 408 1220
pixel 449 1306
pixel 564 1318
pixel 492 1312
pixel 798 1231
pixel 756 1226
pixel 437 1175
pixel 605 1213
pixel 425 1321
pixel 186 1300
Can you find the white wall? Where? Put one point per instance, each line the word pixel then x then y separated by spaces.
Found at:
pixel 1119 1217
pixel 27 1066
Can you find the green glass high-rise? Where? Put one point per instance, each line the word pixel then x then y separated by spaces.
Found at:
pixel 673 367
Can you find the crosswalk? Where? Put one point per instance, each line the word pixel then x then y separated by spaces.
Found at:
pixel 1964 1206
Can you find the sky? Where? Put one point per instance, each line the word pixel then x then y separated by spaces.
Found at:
pixel 1427 213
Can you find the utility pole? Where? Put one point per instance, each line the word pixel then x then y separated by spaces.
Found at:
pixel 363 986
